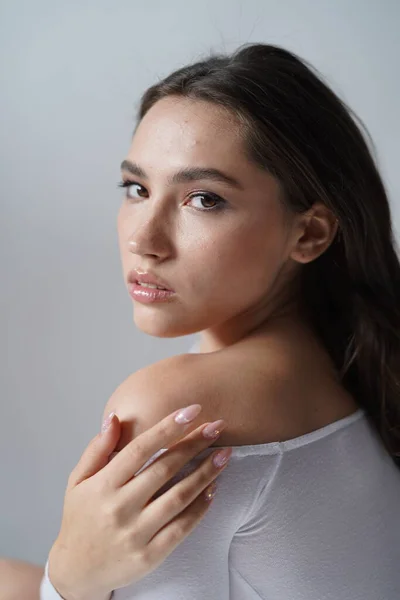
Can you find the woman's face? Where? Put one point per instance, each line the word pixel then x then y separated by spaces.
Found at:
pixel 226 256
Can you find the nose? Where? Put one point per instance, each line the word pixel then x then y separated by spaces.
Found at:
pixel 150 237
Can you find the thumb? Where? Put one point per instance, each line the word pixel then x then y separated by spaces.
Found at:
pixel 97 453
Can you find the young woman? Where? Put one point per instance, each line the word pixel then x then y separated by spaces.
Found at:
pixel 253 201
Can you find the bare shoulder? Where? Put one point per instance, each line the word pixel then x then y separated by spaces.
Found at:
pixel 259 386
pixel 150 394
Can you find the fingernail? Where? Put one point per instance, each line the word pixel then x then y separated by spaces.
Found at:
pixel 221 458
pixel 210 491
pixel 107 422
pixel 212 430
pixel 186 415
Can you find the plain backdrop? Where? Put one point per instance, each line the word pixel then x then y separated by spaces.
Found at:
pixel 71 77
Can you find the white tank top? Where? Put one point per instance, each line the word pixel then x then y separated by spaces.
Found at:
pixel 315 517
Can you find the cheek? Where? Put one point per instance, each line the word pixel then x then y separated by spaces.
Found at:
pixel 240 261
pixel 248 249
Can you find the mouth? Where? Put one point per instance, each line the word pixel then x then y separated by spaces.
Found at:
pixel 148 279
pixel 149 293
pixel 151 286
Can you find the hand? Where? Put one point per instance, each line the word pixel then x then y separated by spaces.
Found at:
pixel 115 530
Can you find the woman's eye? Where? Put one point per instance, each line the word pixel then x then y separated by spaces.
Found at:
pixel 206 197
pixel 128 184
pixel 217 202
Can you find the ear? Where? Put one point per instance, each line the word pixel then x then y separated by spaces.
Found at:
pixel 314 234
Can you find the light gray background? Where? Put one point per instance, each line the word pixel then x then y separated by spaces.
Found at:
pixel 71 76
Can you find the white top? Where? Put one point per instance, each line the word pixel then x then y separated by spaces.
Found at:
pixel 312 518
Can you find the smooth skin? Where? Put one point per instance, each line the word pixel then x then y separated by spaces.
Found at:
pixel 233 261
pixel 235 271
pixel 266 389
pixel 19 579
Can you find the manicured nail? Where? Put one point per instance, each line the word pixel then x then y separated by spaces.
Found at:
pixel 186 415
pixel 210 491
pixel 221 458
pixel 107 422
pixel 212 430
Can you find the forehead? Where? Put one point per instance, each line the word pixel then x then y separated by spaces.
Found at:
pixel 178 132
pixel 194 127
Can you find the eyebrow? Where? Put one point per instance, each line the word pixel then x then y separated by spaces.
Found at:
pixel 186 174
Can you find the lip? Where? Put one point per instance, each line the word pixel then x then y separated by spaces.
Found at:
pixel 147 295
pixel 135 276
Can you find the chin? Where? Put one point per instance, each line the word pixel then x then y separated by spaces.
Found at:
pixel 159 326
pixel 163 325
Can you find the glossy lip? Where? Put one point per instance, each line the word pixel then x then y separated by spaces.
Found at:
pixel 147 295
pixel 135 276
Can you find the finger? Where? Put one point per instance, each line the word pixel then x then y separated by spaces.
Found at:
pixel 166 468
pixel 96 455
pixel 135 454
pixel 169 519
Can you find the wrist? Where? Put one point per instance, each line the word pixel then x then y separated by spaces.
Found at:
pixel 65 588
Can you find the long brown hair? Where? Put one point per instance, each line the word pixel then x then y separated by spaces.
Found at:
pixel 298 129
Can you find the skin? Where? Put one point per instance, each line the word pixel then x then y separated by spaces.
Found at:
pixel 19 579
pixel 232 269
pixel 234 272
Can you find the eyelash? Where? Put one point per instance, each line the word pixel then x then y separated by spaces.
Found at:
pixel 213 197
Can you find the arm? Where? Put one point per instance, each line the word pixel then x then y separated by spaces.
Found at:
pixel 48 591
pixel 140 402
pixel 19 579
pixel 201 566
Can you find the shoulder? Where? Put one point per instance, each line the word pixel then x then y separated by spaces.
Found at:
pixel 244 385
pixel 153 392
